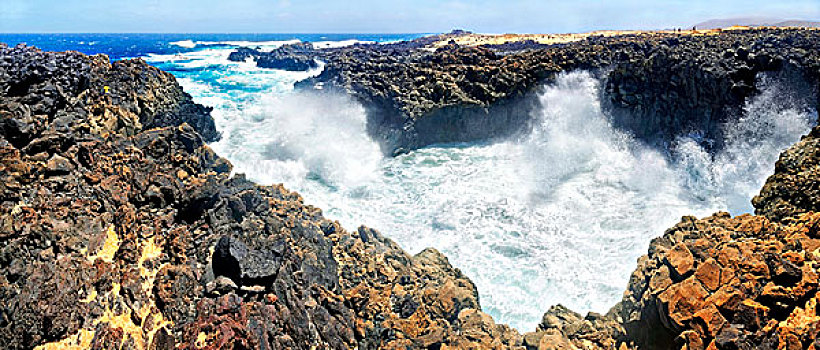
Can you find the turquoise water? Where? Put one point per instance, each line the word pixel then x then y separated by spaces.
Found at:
pixel 559 215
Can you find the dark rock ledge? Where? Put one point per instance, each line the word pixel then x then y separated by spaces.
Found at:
pixel 655 85
pixel 293 57
pixel 123 229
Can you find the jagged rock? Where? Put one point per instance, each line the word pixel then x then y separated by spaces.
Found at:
pixel 750 303
pixel 59 165
pixel 234 260
pixel 242 54
pixel 70 92
pixel 792 190
pixel 291 57
pixel 557 317
pixel 656 86
pixel 680 260
pixel 145 239
pixel 221 285
pixel 553 340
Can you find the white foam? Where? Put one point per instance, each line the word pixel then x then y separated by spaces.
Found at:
pixel 557 216
pixel 190 44
pixel 295 136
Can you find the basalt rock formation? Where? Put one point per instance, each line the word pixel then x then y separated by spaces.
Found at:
pixel 792 190
pixel 122 229
pixel 695 84
pixel 45 88
pixel 657 86
pixel 292 57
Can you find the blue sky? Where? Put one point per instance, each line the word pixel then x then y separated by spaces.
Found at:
pixel 379 16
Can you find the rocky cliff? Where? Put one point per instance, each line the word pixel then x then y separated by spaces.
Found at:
pixel 122 229
pixel 656 85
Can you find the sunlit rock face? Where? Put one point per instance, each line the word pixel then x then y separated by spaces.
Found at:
pixel 116 234
pixel 658 86
pixel 122 227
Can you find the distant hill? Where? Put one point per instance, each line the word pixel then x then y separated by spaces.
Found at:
pixel 755 22
pixel 797 23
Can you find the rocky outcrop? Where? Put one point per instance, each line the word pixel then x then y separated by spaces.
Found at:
pixel 122 228
pixel 416 98
pixel 291 57
pixel 793 189
pixel 726 283
pixel 44 89
pixel 695 84
pixel 657 86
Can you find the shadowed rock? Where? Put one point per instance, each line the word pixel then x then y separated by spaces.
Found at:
pixel 122 228
pixel 657 86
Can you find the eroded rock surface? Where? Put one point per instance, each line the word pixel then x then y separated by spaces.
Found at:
pixel 655 85
pixel 122 229
pixel 793 189
pixel 752 284
pixel 291 57
pixel 68 91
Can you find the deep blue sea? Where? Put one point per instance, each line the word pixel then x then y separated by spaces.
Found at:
pixel 118 46
pixel 559 215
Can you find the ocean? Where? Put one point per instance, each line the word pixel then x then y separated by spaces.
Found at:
pixel 559 215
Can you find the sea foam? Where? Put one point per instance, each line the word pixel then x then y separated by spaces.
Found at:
pixel 556 216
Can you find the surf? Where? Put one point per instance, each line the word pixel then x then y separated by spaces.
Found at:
pixel 558 215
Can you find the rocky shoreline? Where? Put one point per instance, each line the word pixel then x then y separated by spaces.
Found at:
pixel 123 229
pixel 657 86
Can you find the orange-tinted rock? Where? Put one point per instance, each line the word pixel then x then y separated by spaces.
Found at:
pixel 725 298
pixel 680 260
pixel 682 301
pixel 554 340
pixel 711 318
pixel 691 340
pixel 708 273
pixel 660 280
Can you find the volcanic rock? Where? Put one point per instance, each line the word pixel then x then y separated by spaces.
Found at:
pixel 291 57
pixel 143 239
pixel 122 228
pixel 657 86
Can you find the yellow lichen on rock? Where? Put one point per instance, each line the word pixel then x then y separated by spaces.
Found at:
pixel 90 297
pixel 201 340
pixel 138 326
pixel 109 248
pixel 150 250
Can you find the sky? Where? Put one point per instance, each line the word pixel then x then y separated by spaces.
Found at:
pixel 379 16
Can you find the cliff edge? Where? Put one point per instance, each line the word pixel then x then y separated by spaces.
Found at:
pixel 122 228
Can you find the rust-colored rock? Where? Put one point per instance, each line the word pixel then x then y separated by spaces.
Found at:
pixel 121 228
pixel 680 260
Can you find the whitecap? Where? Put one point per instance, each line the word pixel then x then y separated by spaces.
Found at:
pixel 188 44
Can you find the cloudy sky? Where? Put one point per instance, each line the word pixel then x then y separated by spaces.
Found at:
pixel 380 16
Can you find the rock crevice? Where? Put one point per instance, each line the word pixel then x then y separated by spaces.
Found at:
pixel 121 228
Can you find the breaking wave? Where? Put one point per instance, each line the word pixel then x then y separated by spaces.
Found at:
pixel 557 216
